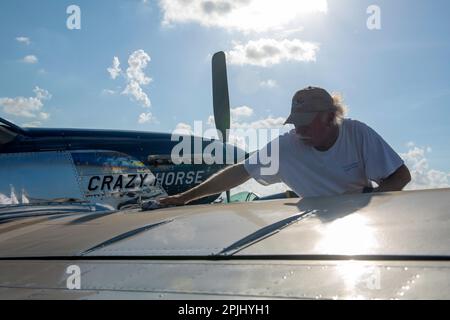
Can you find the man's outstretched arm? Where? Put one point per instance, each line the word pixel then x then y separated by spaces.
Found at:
pixel 223 180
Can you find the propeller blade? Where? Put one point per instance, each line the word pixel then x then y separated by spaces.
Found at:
pixel 221 100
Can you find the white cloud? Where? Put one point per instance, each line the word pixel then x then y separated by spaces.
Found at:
pixel 21 106
pixel 238 134
pixel 267 52
pixel 134 90
pixel 237 140
pixel 183 128
pixel 33 124
pixel 290 32
pixel 241 112
pixel 27 107
pixel 422 177
pixel 241 15
pixel 44 115
pixel 134 76
pixel 24 40
pixel 108 92
pixel 137 62
pixel 42 94
pixel 266 123
pixel 145 117
pixel 268 83
pixel 210 121
pixel 114 70
pixel 30 59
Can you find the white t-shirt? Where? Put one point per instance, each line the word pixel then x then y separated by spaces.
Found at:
pixel 358 156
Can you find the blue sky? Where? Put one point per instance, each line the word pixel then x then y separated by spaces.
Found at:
pixel 396 79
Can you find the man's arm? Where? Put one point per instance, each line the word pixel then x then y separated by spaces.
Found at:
pixel 223 180
pixel 396 181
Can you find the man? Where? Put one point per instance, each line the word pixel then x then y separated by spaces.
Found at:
pixel 325 155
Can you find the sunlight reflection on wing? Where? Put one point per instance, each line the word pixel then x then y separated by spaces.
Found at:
pixel 349 235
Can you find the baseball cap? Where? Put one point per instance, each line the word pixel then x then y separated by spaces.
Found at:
pixel 306 103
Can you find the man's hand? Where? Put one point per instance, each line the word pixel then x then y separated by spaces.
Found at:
pixel 396 181
pixel 223 180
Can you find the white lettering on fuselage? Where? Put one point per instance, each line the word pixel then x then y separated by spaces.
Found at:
pixel 179 178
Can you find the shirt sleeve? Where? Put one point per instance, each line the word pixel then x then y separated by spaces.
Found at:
pixel 380 159
pixel 263 165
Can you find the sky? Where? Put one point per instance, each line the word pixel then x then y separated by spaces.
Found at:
pixel 146 65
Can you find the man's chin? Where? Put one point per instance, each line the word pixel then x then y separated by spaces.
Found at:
pixel 308 142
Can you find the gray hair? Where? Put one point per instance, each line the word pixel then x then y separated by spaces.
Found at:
pixel 341 108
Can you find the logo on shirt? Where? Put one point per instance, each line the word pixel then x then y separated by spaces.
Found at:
pixel 350 166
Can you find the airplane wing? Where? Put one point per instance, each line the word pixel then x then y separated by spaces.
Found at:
pixel 372 246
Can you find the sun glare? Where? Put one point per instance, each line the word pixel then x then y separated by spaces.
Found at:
pixel 246 16
pixel 349 235
pixel 261 15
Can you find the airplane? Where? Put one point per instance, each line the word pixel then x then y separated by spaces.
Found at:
pixel 391 245
pixel 114 168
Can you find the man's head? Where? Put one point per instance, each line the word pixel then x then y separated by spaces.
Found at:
pixel 316 115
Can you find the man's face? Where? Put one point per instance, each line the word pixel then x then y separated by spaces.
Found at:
pixel 316 133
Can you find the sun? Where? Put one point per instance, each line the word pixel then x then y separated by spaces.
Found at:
pixel 244 15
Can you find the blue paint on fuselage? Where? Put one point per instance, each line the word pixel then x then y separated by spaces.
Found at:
pixel 140 145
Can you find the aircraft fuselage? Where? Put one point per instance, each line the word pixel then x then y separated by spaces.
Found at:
pixel 151 149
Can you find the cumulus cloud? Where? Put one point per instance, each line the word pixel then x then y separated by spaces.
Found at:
pixel 42 94
pixel 24 40
pixel 137 62
pixel 241 15
pixel 145 117
pixel 134 90
pixel 31 59
pixel 114 70
pixel 134 76
pixel 247 135
pixel 183 128
pixel 30 107
pixel 290 32
pixel 237 140
pixel 268 83
pixel 239 131
pixel 266 123
pixel 21 106
pixel 422 176
pixel 241 112
pixel 43 115
pixel 267 52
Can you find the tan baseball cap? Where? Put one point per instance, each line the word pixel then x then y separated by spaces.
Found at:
pixel 307 103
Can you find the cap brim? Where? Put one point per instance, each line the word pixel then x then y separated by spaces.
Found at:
pixel 301 118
